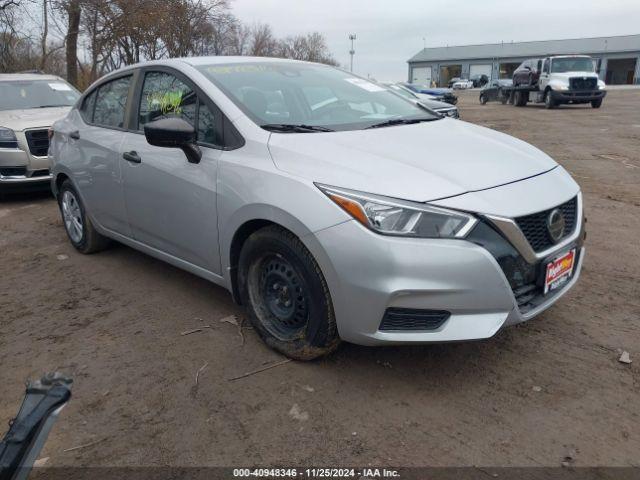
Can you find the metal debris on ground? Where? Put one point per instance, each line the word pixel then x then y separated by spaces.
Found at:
pixel 273 365
pixel 62 257
pixel 536 388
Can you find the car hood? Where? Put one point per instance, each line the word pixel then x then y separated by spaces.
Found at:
pixel 420 162
pixel 31 117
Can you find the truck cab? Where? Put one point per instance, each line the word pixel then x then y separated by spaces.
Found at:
pixel 570 79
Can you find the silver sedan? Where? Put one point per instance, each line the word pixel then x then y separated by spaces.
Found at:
pixel 330 207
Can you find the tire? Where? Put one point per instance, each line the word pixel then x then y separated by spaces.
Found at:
pixel 503 98
pixel 549 101
pixel 483 100
pixel 520 99
pixel 81 232
pixel 596 103
pixel 286 296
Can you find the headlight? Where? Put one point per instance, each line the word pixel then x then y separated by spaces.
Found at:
pixel 388 216
pixel 562 87
pixel 601 85
pixel 8 138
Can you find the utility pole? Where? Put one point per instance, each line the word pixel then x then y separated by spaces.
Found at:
pixel 352 52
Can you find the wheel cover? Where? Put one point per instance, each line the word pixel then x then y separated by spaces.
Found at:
pixel 72 216
pixel 282 297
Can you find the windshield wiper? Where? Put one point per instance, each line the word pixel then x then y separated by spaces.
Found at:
pixel 50 106
pixel 287 127
pixel 403 121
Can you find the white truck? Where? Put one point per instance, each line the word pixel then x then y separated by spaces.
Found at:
pixel 562 79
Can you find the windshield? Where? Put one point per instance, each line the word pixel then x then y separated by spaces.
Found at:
pixel 309 94
pixel 572 64
pixel 20 94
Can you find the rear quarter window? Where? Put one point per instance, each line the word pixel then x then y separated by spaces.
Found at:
pixel 88 105
pixel 111 102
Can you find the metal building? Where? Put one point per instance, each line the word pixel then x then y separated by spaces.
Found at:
pixel 616 59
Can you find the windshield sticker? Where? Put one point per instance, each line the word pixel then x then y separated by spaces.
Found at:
pixel 365 85
pixel 60 87
pixel 165 102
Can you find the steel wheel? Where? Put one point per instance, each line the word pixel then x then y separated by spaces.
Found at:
pixel 72 216
pixel 281 297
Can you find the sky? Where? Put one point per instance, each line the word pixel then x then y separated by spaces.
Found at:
pixel 389 32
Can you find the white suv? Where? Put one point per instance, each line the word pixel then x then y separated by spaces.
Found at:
pixel 29 104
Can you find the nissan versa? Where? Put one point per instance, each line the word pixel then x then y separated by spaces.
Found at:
pixel 329 206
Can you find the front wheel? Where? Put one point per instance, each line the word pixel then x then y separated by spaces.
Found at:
pixel 596 103
pixel 81 232
pixel 549 101
pixel 286 295
pixel 483 100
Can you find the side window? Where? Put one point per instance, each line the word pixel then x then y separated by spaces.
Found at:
pixel 111 103
pixel 86 111
pixel 545 69
pixel 164 95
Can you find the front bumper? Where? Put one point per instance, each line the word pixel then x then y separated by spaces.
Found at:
pixel 369 273
pixel 579 96
pixel 19 167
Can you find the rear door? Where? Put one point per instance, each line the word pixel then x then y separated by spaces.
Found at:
pixel 171 203
pixel 96 165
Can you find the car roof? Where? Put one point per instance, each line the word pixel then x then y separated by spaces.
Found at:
pixel 7 77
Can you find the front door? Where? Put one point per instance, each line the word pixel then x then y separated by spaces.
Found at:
pixel 171 203
pixel 544 75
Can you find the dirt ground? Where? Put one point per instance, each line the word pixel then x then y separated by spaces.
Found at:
pixel 530 396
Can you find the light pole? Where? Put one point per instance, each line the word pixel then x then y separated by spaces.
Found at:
pixel 352 52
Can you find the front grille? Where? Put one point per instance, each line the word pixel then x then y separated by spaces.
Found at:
pixel 13 171
pixel 534 226
pixel 403 319
pixel 581 83
pixel 38 141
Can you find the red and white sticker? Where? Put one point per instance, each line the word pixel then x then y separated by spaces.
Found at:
pixel 559 271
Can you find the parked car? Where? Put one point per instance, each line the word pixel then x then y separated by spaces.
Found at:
pixel 528 73
pixel 443 94
pixel 452 81
pixel 479 80
pixel 462 84
pixel 425 100
pixel 330 207
pixel 29 104
pixel 495 91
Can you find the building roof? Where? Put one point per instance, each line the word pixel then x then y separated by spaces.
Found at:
pixel 598 45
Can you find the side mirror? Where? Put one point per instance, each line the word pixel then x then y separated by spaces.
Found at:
pixel 174 133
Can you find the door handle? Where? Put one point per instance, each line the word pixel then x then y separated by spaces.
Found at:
pixel 75 135
pixel 132 157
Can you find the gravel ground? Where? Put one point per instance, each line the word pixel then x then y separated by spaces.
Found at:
pixel 530 396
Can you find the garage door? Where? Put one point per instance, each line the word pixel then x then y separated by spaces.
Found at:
pixel 481 69
pixel 421 75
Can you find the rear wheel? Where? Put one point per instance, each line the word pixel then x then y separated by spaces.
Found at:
pixel 81 232
pixel 286 295
pixel 596 103
pixel 521 98
pixel 483 100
